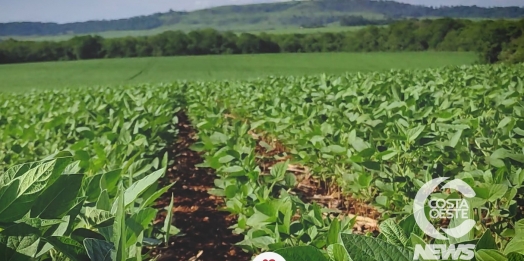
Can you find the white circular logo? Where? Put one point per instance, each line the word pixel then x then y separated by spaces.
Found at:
pixel 269 256
pixel 441 208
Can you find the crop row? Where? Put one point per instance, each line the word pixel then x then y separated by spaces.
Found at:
pixel 79 172
pixel 376 137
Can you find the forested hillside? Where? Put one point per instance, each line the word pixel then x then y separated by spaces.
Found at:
pixel 495 41
pixel 262 17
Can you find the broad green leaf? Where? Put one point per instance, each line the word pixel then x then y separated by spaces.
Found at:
pixel 504 122
pixel 19 242
pixel 93 189
pixel 489 255
pixel 414 133
pixel 455 139
pixel 80 234
pixel 98 250
pixel 496 191
pixel 137 223
pixel 337 149
pixel 59 198
pixel 97 217
pixel 515 257
pixel 33 178
pixel 103 202
pixel 487 241
pixel 226 159
pixel 364 248
pixel 359 144
pixel 137 188
pixel 69 247
pixel 393 233
pixel 337 252
pixel 233 169
pixel 151 199
pixel 516 243
pixel 218 138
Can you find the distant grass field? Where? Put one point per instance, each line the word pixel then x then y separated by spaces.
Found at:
pixel 110 72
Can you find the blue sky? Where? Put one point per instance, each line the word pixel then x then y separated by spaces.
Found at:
pixel 63 11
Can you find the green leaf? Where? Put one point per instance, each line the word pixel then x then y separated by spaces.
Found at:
pixel 81 233
pixel 387 155
pixel 103 202
pixel 119 226
pixel 59 198
pixel 226 159
pixel 19 242
pixel 97 217
pixel 416 240
pixel 489 255
pixel 301 253
pixel 137 188
pixel 218 138
pixel 517 177
pixel 278 170
pixel 519 131
pixel 414 133
pixel 151 199
pixel 336 149
pixel 137 223
pixel 487 241
pixel 233 169
pixel 69 247
pixel 460 220
pixel 337 252
pixel 359 144
pixel 364 248
pixel 455 139
pixel 496 191
pixel 30 180
pixel 515 245
pixel 504 122
pixel 93 189
pixel 111 179
pixel 231 191
pixel 393 233
pixel 409 225
pixel 169 219
pixel 98 250
pixel 333 235
pixel 515 257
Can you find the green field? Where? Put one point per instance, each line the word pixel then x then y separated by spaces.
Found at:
pixel 243 29
pixel 21 77
pixel 305 164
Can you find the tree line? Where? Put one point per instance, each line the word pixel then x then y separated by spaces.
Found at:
pixel 284 13
pixel 493 40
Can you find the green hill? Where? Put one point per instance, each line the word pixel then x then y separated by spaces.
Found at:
pixel 258 17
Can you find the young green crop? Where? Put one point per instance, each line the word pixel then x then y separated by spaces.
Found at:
pixel 116 138
pixel 378 136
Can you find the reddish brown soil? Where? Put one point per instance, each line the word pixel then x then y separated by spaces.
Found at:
pixel 207 236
